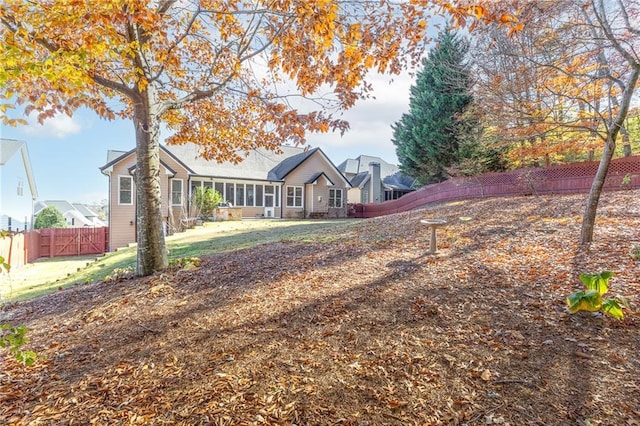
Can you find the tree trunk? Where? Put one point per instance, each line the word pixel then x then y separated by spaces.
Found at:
pixel 589 217
pixel 152 253
pixel 626 144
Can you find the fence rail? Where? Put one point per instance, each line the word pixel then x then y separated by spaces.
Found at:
pixel 624 173
pixel 25 247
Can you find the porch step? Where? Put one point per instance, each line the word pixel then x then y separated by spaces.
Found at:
pixel 318 215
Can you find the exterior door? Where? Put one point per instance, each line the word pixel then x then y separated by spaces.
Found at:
pixel 269 210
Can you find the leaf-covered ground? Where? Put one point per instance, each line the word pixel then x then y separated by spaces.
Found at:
pixel 366 329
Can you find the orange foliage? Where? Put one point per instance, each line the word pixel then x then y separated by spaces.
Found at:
pixel 215 72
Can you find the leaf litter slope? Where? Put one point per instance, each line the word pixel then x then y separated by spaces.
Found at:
pixel 366 329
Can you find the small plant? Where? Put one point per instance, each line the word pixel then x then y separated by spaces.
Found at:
pixel 4 265
pixel 120 274
pixel 184 263
pixel 591 299
pixel 626 180
pixel 13 338
pixel 635 252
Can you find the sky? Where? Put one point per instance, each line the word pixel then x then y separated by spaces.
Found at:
pixel 67 152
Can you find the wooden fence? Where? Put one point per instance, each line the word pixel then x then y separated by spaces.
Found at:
pixel 624 173
pixel 25 247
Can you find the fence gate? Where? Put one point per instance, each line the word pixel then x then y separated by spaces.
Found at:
pixel 72 241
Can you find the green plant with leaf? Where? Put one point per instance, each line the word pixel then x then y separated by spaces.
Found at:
pixel 592 299
pixel 626 180
pixel 206 200
pixel 13 338
pixel 187 263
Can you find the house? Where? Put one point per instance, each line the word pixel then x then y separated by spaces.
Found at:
pixel 76 215
pixel 90 215
pixel 295 183
pixel 373 180
pixel 18 189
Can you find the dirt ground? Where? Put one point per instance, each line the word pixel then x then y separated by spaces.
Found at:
pixel 364 329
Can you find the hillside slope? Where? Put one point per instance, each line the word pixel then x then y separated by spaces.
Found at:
pixel 355 328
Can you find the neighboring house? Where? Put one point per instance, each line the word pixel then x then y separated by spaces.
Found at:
pixel 89 215
pixel 373 180
pixel 17 186
pixel 296 183
pixel 76 215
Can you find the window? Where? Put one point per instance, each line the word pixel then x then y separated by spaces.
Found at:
pixel 294 196
pixel 176 192
pixel 200 184
pixel 219 186
pixel 239 194
pixel 229 192
pixel 335 197
pixel 195 184
pixel 250 194
pixel 125 190
pixel 259 198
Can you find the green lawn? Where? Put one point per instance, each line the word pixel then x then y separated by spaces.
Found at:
pixel 49 275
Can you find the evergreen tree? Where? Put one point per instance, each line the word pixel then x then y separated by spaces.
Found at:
pixel 50 217
pixel 430 136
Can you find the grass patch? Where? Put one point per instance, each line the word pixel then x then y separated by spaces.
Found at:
pixel 49 275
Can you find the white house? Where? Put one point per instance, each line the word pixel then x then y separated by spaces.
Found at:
pixel 76 215
pixel 17 186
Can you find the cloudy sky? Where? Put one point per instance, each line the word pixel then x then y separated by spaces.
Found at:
pixel 66 152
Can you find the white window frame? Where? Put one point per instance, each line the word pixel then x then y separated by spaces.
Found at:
pixel 130 178
pixel 335 197
pixel 296 197
pixel 181 192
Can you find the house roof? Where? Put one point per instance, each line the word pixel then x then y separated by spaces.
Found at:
pixel 314 178
pixel 360 179
pixel 287 165
pixel 256 165
pixel 399 181
pixel 390 174
pixel 360 164
pixel 84 210
pixel 78 211
pixel 8 147
pixel 61 205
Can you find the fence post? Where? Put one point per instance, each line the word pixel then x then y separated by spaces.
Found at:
pixel 52 243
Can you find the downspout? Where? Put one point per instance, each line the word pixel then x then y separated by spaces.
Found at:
pixel 279 197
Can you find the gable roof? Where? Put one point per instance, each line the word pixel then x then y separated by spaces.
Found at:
pixel 399 181
pixel 8 147
pixel 314 178
pixel 86 211
pixel 361 164
pixel 114 157
pixel 78 211
pixel 289 164
pixel 360 179
pixel 61 205
pixel 256 165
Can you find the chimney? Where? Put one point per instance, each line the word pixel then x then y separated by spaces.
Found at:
pixel 375 182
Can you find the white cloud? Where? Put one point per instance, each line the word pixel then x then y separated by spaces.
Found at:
pixel 59 126
pixel 370 122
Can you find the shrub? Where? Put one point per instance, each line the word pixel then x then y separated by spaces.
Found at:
pixel 206 200
pixel 50 217
pixel 591 299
